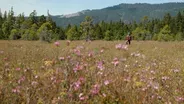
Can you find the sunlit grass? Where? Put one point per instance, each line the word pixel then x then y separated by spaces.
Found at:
pixel 148 72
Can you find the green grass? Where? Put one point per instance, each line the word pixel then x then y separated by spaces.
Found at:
pixel 148 72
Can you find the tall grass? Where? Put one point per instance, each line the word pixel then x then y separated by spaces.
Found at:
pixel 91 72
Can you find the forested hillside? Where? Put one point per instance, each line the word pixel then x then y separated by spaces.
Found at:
pixel 125 12
pixel 34 27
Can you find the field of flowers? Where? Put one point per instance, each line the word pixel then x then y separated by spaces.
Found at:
pixel 97 72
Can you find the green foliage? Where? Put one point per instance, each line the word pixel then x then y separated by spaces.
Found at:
pixel 72 33
pixel 87 27
pixel 141 34
pixel 179 36
pixel 118 34
pixel 124 12
pixel 35 27
pixel 165 34
pixel 45 32
pixel 14 34
pixel 108 35
pixel 60 34
pixel 31 34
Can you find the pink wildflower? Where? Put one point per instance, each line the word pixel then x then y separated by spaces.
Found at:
pixel 104 95
pixel 5 59
pixel 101 51
pixel 34 83
pixel 78 84
pixel 90 54
pixel 180 99
pixel 77 67
pixel 57 43
pixel 96 89
pixel 124 47
pixel 17 69
pixel 81 79
pixel 21 79
pixel 16 90
pixel 106 82
pixel 165 78
pixel 118 46
pixel 115 61
pixel 1 52
pixel 121 46
pixel 100 65
pixel 81 97
pixel 61 58
pixel 77 52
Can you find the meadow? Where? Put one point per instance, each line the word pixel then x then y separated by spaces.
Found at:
pixel 97 72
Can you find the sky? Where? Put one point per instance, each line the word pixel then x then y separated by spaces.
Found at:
pixel 60 7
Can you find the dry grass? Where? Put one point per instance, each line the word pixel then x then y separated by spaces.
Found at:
pixel 147 73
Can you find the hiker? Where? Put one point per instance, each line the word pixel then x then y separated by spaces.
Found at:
pixel 128 38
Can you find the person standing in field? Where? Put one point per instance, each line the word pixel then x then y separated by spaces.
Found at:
pixel 128 38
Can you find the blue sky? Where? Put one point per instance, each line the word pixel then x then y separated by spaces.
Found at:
pixel 59 7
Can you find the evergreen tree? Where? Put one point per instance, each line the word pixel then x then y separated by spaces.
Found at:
pixel 167 19
pixel 86 27
pixel 72 34
pixel 165 34
pixel 45 32
pixel 108 35
pixel 14 34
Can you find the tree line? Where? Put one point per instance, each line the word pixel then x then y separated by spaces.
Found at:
pixel 43 28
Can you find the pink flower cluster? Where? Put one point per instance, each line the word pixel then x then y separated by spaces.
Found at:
pixel 100 65
pixel 115 61
pixel 21 79
pixel 90 54
pixel 106 82
pixel 82 97
pixel 96 89
pixel 78 84
pixel 78 67
pixel 77 52
pixel 16 90
pixel 61 58
pixel 121 46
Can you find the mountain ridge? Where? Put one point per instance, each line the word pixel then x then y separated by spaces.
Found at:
pixel 124 11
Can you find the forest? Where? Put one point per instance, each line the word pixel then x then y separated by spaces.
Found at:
pixel 33 27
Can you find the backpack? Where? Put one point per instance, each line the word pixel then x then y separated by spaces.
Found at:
pixel 128 37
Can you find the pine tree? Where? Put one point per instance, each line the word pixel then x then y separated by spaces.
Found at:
pixel 87 26
pixel 72 34
pixel 165 34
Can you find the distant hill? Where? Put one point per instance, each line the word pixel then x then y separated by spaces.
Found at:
pixel 124 12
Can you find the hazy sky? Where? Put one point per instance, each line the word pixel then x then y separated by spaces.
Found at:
pixel 59 7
